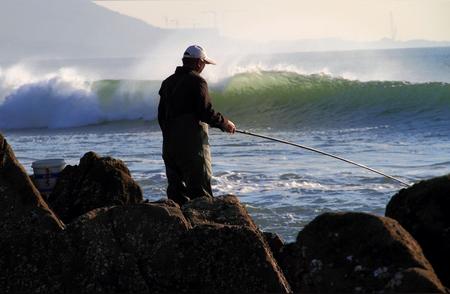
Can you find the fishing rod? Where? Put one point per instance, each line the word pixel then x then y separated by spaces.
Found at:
pixel 323 153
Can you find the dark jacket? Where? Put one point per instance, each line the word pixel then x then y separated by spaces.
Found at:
pixel 185 103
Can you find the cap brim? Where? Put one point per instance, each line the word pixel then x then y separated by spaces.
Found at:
pixel 209 61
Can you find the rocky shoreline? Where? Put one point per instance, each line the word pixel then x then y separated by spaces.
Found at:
pixel 96 234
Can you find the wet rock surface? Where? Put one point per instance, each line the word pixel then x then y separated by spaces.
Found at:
pixel 424 211
pixel 125 248
pixel 276 244
pixel 234 243
pixel 26 227
pixel 113 242
pixel 113 250
pixel 95 182
pixel 357 252
pixel 226 210
pixel 152 247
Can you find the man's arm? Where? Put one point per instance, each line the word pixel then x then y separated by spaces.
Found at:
pixel 206 112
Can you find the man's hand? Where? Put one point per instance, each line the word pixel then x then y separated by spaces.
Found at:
pixel 230 127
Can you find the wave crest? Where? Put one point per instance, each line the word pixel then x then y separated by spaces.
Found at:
pixel 277 99
pixel 66 99
pixel 286 99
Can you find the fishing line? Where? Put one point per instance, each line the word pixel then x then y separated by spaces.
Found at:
pixel 323 153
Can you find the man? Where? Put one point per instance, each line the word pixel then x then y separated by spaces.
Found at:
pixel 184 113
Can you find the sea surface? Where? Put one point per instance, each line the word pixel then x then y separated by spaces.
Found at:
pixel 387 109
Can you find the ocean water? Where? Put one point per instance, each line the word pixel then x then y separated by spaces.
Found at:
pixel 387 109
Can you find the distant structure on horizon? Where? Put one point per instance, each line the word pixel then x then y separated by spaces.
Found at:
pixel 393 27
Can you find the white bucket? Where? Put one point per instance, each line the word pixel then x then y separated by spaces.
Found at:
pixel 46 173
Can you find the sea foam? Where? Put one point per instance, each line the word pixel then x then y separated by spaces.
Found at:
pixel 55 100
pixel 66 98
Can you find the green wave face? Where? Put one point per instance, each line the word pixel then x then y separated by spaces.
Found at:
pixel 289 100
pixel 127 99
pixel 284 99
pixel 109 91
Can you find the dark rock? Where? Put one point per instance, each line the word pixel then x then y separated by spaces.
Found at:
pixel 26 229
pixel 416 278
pixel 275 243
pixel 151 247
pixel 226 210
pixel 221 259
pixel 116 243
pixel 165 201
pixel 114 247
pixel 424 211
pixel 127 248
pixel 96 182
pixel 224 220
pixel 357 252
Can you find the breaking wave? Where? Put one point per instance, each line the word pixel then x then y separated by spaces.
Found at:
pixel 277 99
pixel 285 99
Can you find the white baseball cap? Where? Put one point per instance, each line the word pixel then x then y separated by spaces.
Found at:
pixel 196 51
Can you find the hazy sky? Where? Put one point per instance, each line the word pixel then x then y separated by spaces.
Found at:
pixel 361 20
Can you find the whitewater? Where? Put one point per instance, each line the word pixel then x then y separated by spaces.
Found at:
pixel 389 110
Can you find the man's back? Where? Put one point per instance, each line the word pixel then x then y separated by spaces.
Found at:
pixel 177 93
pixel 186 93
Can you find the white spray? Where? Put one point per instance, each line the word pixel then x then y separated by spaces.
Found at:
pixel 66 98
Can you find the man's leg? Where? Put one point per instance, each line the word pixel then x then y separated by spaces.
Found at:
pixel 197 173
pixel 176 188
